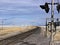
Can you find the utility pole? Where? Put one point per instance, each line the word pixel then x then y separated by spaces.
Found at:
pixel 2 20
pixel 2 24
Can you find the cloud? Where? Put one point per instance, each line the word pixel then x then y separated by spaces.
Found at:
pixel 10 7
pixel 17 2
pixel 28 11
pixel 18 21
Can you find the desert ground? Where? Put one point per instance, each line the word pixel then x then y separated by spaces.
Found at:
pixel 11 35
pixel 57 34
pixel 14 30
pixel 6 32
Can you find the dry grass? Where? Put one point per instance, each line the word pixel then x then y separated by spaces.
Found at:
pixel 57 36
pixel 8 30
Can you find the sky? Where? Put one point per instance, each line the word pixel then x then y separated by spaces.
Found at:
pixel 24 12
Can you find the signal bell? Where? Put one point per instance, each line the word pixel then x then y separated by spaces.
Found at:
pixel 46 7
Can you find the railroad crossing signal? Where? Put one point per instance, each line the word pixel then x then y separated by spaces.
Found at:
pixel 58 8
pixel 46 7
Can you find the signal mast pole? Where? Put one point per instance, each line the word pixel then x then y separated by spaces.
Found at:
pixel 52 23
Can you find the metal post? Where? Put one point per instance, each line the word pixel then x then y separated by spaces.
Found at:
pixel 52 22
pixel 46 28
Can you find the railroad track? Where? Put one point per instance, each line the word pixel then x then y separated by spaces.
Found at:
pixel 18 38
